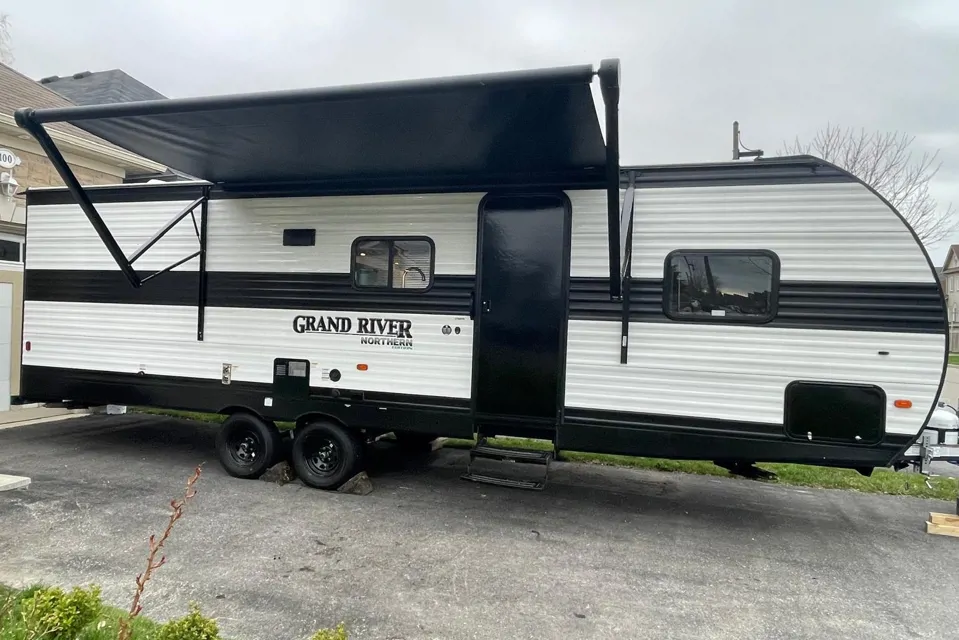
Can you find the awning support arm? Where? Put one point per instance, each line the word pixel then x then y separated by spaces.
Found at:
pixel 626 229
pixel 201 273
pixel 25 119
pixel 166 229
pixel 609 86
pixel 171 267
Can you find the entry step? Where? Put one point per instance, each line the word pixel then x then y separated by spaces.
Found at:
pixel 532 456
pixel 505 482
pixel 483 451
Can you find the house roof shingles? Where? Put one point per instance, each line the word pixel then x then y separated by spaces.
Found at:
pixel 17 91
pixel 101 87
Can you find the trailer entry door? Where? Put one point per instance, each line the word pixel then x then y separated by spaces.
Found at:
pixel 521 311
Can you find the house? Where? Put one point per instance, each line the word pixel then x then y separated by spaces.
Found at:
pixel 101 87
pixel 23 165
pixel 110 87
pixel 949 276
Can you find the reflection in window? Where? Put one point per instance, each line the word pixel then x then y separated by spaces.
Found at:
pixel 371 263
pixel 393 263
pixel 720 285
pixel 411 264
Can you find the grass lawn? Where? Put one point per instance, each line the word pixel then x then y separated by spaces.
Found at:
pixel 884 481
pixel 954 358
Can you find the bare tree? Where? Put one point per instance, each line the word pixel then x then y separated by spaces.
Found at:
pixel 886 162
pixel 6 40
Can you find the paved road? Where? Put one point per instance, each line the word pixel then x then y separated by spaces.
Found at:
pixel 602 553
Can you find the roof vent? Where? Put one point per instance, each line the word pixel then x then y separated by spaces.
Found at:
pixel 49 79
pixel 82 74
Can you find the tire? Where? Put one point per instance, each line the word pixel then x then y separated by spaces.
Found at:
pixel 325 455
pixel 247 446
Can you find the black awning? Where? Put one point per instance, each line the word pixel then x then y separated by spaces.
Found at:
pixel 519 127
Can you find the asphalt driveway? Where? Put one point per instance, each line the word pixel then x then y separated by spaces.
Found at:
pixel 602 553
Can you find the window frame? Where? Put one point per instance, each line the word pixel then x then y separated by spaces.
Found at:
pixel 393 239
pixel 726 319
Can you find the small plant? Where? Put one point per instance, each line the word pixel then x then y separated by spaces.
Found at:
pixel 339 633
pixel 156 545
pixel 54 613
pixel 192 626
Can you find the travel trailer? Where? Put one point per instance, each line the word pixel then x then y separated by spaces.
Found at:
pixel 466 257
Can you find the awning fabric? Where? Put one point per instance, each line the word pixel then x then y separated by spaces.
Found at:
pixel 518 127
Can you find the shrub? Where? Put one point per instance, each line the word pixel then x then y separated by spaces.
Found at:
pixel 192 626
pixel 339 633
pixel 54 613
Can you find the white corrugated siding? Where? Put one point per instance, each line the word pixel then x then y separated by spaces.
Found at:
pixel 247 234
pixel 825 231
pixel 740 373
pixel 59 236
pixel 161 340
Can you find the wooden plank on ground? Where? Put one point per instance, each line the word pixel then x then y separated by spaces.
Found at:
pixel 942 529
pixel 944 518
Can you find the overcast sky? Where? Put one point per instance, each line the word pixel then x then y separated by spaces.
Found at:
pixel 690 67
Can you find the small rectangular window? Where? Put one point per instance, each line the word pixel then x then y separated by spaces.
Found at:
pixel 721 285
pixel 9 251
pixel 299 237
pixel 393 263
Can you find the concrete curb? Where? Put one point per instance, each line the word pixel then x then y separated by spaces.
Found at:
pixel 8 483
pixel 62 416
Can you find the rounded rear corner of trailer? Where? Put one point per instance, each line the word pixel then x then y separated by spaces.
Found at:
pixel 912 388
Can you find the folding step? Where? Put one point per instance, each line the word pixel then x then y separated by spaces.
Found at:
pixel 531 456
pixel 526 456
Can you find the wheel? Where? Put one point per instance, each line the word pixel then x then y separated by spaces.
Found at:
pixel 414 442
pixel 247 446
pixel 325 455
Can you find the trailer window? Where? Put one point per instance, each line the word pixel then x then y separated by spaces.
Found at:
pixel 721 285
pixel 393 263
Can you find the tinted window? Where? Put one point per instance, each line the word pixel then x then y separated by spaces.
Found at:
pixel 9 251
pixel 721 285
pixel 393 263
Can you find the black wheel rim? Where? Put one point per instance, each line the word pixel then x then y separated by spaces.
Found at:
pixel 323 455
pixel 246 447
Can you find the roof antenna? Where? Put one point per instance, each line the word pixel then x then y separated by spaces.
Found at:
pixel 745 152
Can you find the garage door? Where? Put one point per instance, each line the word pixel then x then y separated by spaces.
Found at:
pixel 6 320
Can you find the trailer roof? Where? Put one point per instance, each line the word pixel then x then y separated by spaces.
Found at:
pixel 516 127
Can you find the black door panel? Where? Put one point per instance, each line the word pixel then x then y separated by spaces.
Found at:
pixel 521 311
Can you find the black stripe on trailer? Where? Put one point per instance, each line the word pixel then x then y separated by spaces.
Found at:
pixel 589 430
pixel 849 306
pixel 693 438
pixel 912 307
pixel 449 294
pixel 365 409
